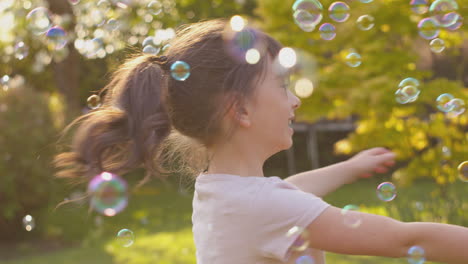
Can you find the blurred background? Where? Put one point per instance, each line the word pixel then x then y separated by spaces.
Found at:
pixel 354 57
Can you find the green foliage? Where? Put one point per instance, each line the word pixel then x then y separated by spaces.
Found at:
pixel 27 134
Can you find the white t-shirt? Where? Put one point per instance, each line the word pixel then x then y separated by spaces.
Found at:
pixel 244 220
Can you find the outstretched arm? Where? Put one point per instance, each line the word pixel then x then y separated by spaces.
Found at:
pixel 322 181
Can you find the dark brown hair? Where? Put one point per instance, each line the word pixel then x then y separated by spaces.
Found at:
pixel 149 119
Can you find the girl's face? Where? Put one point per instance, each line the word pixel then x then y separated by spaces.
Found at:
pixel 271 110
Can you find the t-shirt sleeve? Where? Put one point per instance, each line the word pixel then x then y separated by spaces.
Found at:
pixel 278 207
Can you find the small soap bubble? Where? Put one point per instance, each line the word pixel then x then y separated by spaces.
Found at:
pixel 353 59
pixel 148 41
pixel 38 20
pixel 112 24
pixel 401 97
pixel 305 259
pixel 366 1
pixel 365 22
pixel 437 45
pixel 440 8
pixel 155 7
pixel 327 31
pixel 108 193
pixel 56 38
pixel 165 47
pixel 456 106
pixel 419 6
pixel 339 11
pixel 428 28
pixel 442 102
pixel 307 14
pixel 458 21
pixel 351 216
pixel 463 171
pixel 302 241
pixel 94 101
pixel 238 43
pixel 150 49
pixel 410 81
pixel 386 191
pixel 180 70
pixel 21 50
pixel 416 255
pixel 411 92
pixel 126 237
pixel 28 223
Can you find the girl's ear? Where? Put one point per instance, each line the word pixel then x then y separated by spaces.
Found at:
pixel 240 116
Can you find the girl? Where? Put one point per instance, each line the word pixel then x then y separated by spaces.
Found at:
pixel 229 117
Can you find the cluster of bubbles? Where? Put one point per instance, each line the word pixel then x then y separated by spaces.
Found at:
pixel 301 245
pixel 308 14
pixel 40 23
pixel 408 91
pixel 108 193
pixel 442 16
pixel 447 103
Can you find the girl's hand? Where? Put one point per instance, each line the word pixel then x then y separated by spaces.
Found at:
pixel 366 162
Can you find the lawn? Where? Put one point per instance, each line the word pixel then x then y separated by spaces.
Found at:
pixel 160 217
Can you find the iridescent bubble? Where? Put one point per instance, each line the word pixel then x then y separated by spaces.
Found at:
pixel 442 102
pixel 165 47
pixel 366 1
pixel 353 59
pixel 150 49
pixel 112 24
pixel 437 45
pixel 456 106
pixel 409 82
pixel 238 43
pixel 365 22
pixel 56 38
pixel 155 7
pixel 351 216
pixel 327 31
pixel 307 13
pixel 148 41
pixel 180 70
pixel 457 18
pixel 305 259
pixel 339 11
pixel 416 255
pixel 410 91
pixel 21 50
pixel 108 193
pixel 463 171
pixel 94 101
pixel 386 191
pixel 419 6
pixel 38 20
pixel 440 8
pixel 428 28
pixel 400 97
pixel 93 47
pixel 302 241
pixel 126 237
pixel 28 223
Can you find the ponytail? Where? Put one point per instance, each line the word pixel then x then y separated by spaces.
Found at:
pixel 127 131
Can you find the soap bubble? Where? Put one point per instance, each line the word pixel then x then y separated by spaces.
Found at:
pixel 351 216
pixel 456 106
pixel 410 91
pixel 21 50
pixel 238 43
pixel 38 20
pixel 150 49
pixel 428 28
pixel 365 22
pixel 463 171
pixel 180 70
pixel 457 18
pixel 440 8
pixel 327 31
pixel 339 11
pixel 305 259
pixel 126 237
pixel 108 193
pixel 409 81
pixel 386 191
pixel 437 45
pixel 155 7
pixel 353 59
pixel 416 255
pixel 302 241
pixel 307 14
pixel 94 101
pixel 442 102
pixel 366 1
pixel 28 223
pixel 56 38
pixel 112 24
pixel 419 6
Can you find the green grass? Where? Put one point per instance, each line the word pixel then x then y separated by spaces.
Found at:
pixel 160 217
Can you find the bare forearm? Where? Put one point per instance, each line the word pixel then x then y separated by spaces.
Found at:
pixel 441 242
pixel 324 180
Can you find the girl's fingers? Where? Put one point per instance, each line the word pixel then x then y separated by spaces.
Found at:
pixel 380 169
pixel 366 175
